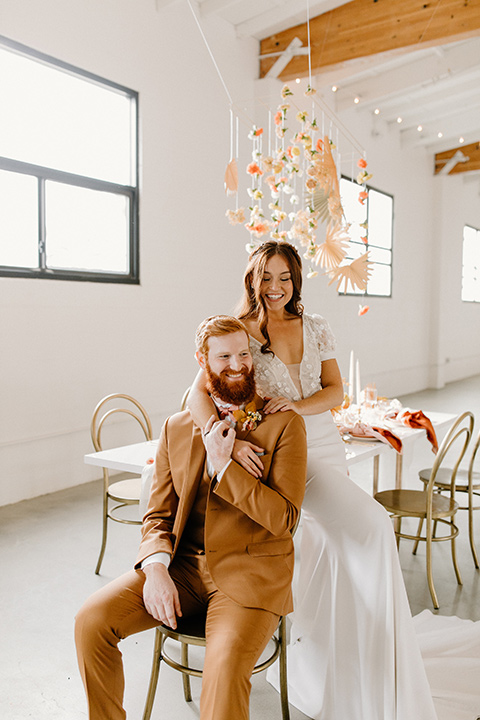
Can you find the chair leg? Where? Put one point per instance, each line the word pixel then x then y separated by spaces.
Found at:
pixel 104 535
pixel 454 560
pixel 152 688
pixel 187 691
pixel 283 669
pixel 429 567
pixel 470 533
pixel 398 530
pixel 419 531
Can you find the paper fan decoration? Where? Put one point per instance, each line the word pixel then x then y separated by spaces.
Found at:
pixel 320 203
pixel 231 178
pixel 330 253
pixel 294 185
pixel 357 274
pixel 324 169
pixel 335 207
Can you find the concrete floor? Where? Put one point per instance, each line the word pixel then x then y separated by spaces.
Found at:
pixel 49 548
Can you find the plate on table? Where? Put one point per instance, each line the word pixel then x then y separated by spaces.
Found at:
pixel 349 437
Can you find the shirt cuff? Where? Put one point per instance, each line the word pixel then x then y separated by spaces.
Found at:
pixel 211 470
pixel 222 471
pixel 159 557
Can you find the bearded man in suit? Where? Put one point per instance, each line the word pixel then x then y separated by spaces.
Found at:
pixel 215 539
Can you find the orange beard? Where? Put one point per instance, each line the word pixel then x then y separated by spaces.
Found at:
pixel 238 392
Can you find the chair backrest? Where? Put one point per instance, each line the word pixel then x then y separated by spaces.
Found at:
pixel 183 404
pixel 472 458
pixel 127 405
pixel 460 434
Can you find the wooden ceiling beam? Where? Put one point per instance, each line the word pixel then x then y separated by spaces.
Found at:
pixel 366 27
pixel 472 152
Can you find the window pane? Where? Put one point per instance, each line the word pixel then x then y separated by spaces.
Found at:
pixel 86 229
pixel 355 212
pixel 378 255
pixel 355 250
pixel 377 215
pixel 471 265
pixel 380 207
pixel 52 118
pixel 380 280
pixel 18 220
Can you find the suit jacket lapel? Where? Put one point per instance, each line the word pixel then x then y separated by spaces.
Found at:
pixel 192 473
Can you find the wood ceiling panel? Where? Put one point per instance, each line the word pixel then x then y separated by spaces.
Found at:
pixel 367 27
pixel 472 152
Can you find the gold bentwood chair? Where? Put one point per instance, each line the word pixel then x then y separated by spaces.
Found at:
pixel 123 492
pixel 191 631
pixel 430 506
pixel 183 403
pixel 466 481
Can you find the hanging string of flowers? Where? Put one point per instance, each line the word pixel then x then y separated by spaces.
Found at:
pixel 294 187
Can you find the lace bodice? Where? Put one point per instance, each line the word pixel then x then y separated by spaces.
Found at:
pixel 272 375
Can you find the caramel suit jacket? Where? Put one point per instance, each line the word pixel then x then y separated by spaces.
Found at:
pixel 248 521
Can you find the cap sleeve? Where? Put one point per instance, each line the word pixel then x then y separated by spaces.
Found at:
pixel 324 337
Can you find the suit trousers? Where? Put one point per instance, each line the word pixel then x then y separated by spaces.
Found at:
pixel 236 637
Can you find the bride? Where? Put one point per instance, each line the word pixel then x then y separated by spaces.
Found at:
pixel 353 653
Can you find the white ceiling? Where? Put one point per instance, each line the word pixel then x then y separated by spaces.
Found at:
pixel 437 88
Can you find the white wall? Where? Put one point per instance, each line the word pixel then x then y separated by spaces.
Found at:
pixel 65 345
pixel 457 203
pixel 392 340
pixel 424 335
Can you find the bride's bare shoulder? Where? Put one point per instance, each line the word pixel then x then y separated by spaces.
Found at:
pixel 252 328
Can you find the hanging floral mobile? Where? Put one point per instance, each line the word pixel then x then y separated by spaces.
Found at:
pixel 294 187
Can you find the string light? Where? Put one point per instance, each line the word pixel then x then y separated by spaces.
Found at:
pixel 356 100
pixel 420 128
pixel 377 111
pixel 334 88
pixel 440 134
pixel 297 80
pixel 399 120
pixel 461 139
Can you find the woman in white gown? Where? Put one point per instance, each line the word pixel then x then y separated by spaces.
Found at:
pixel 353 653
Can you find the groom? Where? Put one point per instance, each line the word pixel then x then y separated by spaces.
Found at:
pixel 214 539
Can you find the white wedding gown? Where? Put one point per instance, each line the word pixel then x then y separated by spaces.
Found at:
pixel 354 653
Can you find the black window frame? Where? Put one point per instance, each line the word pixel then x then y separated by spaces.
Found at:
pixel 43 174
pixel 368 187
pixel 477 231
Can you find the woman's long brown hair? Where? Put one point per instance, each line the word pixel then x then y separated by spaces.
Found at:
pixel 252 304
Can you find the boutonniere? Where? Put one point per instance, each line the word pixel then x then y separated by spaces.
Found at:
pixel 250 417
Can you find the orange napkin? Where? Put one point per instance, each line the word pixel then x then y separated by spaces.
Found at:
pixel 389 437
pixel 360 430
pixel 418 420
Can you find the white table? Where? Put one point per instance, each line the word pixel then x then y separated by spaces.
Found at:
pixel 133 458
pixel 128 458
pixel 407 435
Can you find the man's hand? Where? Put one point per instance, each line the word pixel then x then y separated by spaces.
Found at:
pixel 246 454
pixel 218 438
pixel 160 595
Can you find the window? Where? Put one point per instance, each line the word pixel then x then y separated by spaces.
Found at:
pixel 68 171
pixel 471 265
pixel 373 222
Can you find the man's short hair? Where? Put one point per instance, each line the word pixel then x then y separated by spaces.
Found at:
pixel 215 326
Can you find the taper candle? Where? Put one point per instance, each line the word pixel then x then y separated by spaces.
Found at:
pixel 350 378
pixel 358 383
